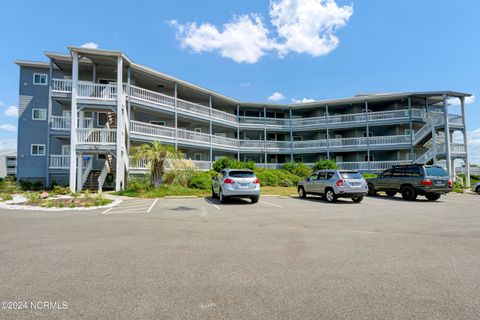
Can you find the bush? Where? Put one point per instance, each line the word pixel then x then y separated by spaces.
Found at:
pixel 325 165
pixel 299 169
pixel 369 175
pixel 178 177
pixel 25 185
pixel 285 183
pixel 5 197
pixel 229 163
pixel 37 185
pixel 138 183
pixel 61 190
pixel 458 187
pixel 273 177
pixel 200 180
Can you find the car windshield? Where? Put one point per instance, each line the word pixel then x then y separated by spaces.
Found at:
pixel 351 175
pixel 436 172
pixel 241 174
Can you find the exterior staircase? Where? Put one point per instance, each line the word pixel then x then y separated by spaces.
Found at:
pixel 91 183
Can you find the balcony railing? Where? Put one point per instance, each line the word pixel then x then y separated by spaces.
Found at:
pixel 59 161
pixel 193 107
pixel 89 90
pixel 372 165
pixel 63 123
pixel 150 96
pixel 455 119
pixel 147 129
pixel 62 85
pixel 96 136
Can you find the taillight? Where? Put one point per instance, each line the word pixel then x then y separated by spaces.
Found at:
pixel 426 182
pixel 450 182
pixel 256 181
pixel 228 181
pixel 339 183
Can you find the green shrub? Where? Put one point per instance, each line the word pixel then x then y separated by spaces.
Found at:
pixel 299 169
pixel 25 185
pixel 178 177
pixel 369 175
pixel 285 183
pixel 6 197
pixel 33 196
pixel 61 190
pixel 138 183
pixel 325 165
pixel 458 187
pixel 229 163
pixel 200 180
pixel 272 177
pixel 37 185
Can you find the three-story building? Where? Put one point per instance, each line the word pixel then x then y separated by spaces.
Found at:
pixel 80 113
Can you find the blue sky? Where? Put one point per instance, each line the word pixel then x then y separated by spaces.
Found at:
pixel 372 45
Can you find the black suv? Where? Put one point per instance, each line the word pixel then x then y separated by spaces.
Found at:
pixel 411 181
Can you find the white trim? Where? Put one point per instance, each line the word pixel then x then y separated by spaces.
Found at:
pixel 40 84
pixel 44 114
pixel 37 145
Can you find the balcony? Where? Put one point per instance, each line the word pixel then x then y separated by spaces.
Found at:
pixel 59 162
pixel 62 123
pixel 98 137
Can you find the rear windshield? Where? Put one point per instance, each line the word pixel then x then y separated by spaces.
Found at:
pixel 351 175
pixel 436 172
pixel 241 174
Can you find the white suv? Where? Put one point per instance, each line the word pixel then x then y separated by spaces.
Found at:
pixel 236 183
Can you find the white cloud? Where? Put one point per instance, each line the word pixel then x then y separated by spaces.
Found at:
pixel 245 84
pixel 90 45
pixel 302 26
pixel 8 143
pixel 456 101
pixel 304 100
pixel 11 111
pixel 8 127
pixel 1 104
pixel 474 146
pixel 276 96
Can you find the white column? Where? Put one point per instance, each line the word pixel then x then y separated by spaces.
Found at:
pixel 465 142
pixel 120 171
pixel 238 132
pixel 176 115
pixel 210 128
pixel 79 172
pixel 448 156
pixel 291 134
pixel 73 123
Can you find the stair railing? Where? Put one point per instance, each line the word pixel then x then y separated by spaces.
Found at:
pixel 86 170
pixel 103 175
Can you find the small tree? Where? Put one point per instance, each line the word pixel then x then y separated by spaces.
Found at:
pixel 325 165
pixel 155 154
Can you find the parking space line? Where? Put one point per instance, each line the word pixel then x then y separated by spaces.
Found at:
pixel 271 204
pixel 213 204
pixel 106 211
pixel 153 204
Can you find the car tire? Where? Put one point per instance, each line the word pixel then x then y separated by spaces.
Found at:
pixel 330 196
pixel 255 199
pixel 222 198
pixel 477 190
pixel 214 195
pixel 432 196
pixel 391 193
pixel 357 199
pixel 371 190
pixel 409 194
pixel 301 193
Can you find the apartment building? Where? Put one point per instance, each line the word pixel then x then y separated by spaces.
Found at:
pixel 8 163
pixel 81 112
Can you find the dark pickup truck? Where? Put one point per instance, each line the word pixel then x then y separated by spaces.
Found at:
pixel 412 181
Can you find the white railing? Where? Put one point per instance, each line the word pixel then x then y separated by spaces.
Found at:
pixel 143 165
pixel 224 116
pixel 420 134
pixel 306 144
pixel 150 96
pixel 60 123
pixel 59 161
pixel 248 121
pixel 251 144
pixel 223 141
pixel 62 85
pixel 306 122
pixel 457 148
pixel 372 165
pixel 473 170
pixel 147 129
pixel 269 165
pixel 103 175
pixel 193 136
pixel 192 107
pixel 90 90
pixel 425 157
pixel 87 167
pixel 279 145
pixel 455 119
pixel 96 136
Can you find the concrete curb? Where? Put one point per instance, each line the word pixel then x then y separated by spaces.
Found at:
pixel 36 208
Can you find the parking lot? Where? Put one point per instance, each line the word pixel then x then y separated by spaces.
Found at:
pixel 282 258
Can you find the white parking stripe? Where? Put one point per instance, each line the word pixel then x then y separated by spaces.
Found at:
pixel 105 212
pixel 271 204
pixel 210 202
pixel 150 209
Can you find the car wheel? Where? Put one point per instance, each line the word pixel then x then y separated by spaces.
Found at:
pixel 432 196
pixel 390 193
pixel 330 196
pixel 371 190
pixel 255 199
pixel 409 194
pixel 478 190
pixel 214 195
pixel 223 199
pixel 301 193
pixel 357 199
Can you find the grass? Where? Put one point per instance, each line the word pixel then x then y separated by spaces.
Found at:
pixel 173 190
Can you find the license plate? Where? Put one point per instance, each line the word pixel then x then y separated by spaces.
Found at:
pixel 439 183
pixel 355 184
pixel 243 185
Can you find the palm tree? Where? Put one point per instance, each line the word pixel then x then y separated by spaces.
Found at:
pixel 155 154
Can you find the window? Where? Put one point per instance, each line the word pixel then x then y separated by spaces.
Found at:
pixel 338 136
pixel 39 114
pixel 436 172
pixel 329 175
pixel 40 79
pixel 407 132
pixel 241 174
pixel 37 150
pixel 297 138
pixel 199 130
pixel 412 171
pixel 371 157
pixel 398 172
pixel 321 176
pixel 158 123
pixel 102 119
pixel 387 173
pixel 313 177
pixel 66 149
pixel 197 156
pixel 101 157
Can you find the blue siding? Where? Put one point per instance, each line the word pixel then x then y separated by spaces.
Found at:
pixel 31 131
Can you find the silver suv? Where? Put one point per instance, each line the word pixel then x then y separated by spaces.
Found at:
pixel 236 183
pixel 334 184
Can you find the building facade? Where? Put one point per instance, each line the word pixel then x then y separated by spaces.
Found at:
pixel 80 113
pixel 8 163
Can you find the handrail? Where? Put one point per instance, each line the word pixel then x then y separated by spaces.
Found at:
pixel 103 175
pixel 86 170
